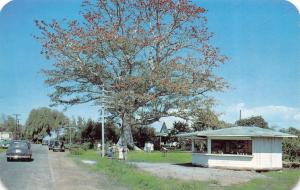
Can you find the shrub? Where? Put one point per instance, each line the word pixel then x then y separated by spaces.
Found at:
pixel 86 146
pixel 76 151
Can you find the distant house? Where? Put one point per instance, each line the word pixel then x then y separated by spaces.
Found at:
pixel 6 136
pixel 250 148
pixel 164 132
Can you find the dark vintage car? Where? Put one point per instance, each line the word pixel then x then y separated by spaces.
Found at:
pixel 58 146
pixel 19 149
pixel 50 144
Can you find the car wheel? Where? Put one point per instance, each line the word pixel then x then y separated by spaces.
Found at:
pixel 8 159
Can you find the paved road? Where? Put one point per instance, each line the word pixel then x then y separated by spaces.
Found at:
pixel 52 171
pixel 27 175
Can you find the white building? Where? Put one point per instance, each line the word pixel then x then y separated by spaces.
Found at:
pixel 248 148
pixel 6 136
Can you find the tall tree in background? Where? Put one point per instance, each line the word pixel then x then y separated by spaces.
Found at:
pixel 153 56
pixel 256 121
pixel 143 134
pixel 92 132
pixel 205 119
pixel 42 120
pixel 8 123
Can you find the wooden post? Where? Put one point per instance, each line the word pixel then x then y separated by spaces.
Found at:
pixel 208 145
pixel 159 141
pixel 193 145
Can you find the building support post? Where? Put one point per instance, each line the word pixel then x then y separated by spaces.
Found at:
pixel 193 145
pixel 208 145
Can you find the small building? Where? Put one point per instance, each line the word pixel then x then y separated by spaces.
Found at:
pixel 6 136
pixel 164 132
pixel 246 148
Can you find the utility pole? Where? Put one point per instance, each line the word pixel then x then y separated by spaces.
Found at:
pixel 70 135
pixel 103 108
pixel 102 118
pixel 240 114
pixel 17 125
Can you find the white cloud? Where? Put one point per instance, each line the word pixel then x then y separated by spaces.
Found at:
pixel 3 3
pixel 282 116
pixel 296 3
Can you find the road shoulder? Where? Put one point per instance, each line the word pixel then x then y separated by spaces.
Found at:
pixel 70 174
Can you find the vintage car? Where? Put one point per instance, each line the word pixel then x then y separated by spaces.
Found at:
pixel 45 142
pixel 58 146
pixel 19 149
pixel 50 144
pixel 4 143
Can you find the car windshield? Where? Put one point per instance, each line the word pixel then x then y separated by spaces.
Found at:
pixel 18 145
pixel 56 143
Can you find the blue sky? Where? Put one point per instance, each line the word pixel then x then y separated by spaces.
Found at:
pixel 261 38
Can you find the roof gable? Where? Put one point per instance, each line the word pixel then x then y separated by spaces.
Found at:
pixel 164 128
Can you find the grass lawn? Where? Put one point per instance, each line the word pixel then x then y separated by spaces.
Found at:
pixel 2 150
pixel 276 181
pixel 135 179
pixel 157 157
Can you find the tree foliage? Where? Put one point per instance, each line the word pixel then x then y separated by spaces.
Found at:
pixel 8 124
pixel 205 119
pixel 291 146
pixel 256 121
pixel 154 56
pixel 143 134
pixel 92 132
pixel 42 120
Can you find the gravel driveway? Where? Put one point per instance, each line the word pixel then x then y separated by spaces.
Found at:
pixel 189 172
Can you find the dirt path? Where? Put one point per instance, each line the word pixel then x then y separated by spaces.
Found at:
pixel 223 177
pixel 69 175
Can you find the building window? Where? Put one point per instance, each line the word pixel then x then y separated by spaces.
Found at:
pixel 243 147
pixel 200 146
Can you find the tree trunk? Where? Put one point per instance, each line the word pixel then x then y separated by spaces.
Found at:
pixel 126 138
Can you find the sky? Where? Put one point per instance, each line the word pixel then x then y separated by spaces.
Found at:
pixel 261 38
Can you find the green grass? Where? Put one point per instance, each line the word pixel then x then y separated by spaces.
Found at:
pixel 135 179
pixel 158 157
pixel 131 177
pixel 2 150
pixel 276 180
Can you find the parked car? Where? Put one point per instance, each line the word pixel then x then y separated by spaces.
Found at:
pixel 58 146
pixel 50 144
pixel 45 142
pixel 4 143
pixel 19 149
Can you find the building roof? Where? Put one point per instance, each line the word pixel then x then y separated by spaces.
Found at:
pixel 164 128
pixel 237 132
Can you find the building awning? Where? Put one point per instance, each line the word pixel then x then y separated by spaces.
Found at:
pixel 161 134
pixel 237 132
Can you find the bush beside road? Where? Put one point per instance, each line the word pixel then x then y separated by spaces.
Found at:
pixel 2 150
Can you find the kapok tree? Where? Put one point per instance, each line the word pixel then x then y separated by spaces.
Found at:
pixel 154 56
